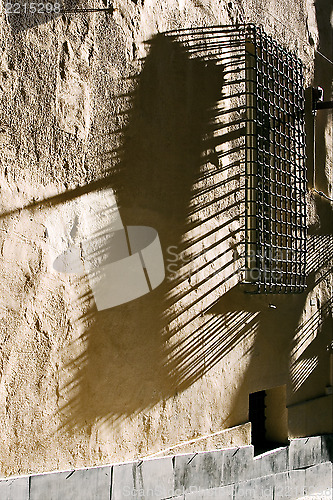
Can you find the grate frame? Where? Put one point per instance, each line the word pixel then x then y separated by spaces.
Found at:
pixel 275 208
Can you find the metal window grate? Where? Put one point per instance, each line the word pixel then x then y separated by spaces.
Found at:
pixel 275 167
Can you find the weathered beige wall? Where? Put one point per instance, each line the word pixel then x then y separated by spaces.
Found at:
pixel 82 109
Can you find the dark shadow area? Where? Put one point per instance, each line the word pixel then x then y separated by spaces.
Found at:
pixel 180 172
pixel 328 445
pixel 257 418
pixel 309 120
pixel 323 78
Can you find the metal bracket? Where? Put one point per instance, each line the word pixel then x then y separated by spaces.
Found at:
pixel 318 100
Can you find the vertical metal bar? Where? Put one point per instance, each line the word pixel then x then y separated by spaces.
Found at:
pixel 251 154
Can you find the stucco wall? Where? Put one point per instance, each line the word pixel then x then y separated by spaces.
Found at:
pixel 87 104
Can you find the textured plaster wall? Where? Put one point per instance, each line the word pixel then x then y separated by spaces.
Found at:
pixel 85 104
